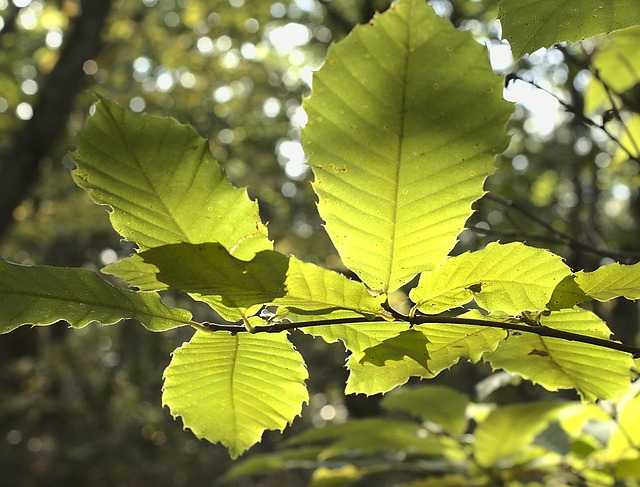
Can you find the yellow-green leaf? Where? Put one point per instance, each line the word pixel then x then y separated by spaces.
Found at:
pixel 405 118
pixel 231 388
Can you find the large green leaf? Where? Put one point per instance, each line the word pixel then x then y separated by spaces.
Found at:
pixel 510 278
pixel 42 295
pixel 405 118
pixel 611 281
pixel 510 429
pixel 595 372
pixel 207 270
pixel 231 388
pixel 531 24
pixel 162 183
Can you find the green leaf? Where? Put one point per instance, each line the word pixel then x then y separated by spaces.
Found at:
pixel 297 458
pixel 617 62
pixel 510 429
pixel 625 440
pixel 162 184
pixel 595 372
pixel 442 345
pixel 370 379
pixel 42 295
pixel 567 295
pixel 531 24
pixel 208 271
pixel 343 476
pixel 409 343
pixel 369 437
pixel 448 343
pixel 231 388
pixel 357 337
pixel 405 118
pixel 611 281
pixel 510 278
pixel 438 404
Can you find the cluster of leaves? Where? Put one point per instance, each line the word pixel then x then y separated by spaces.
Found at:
pixel 405 120
pixel 436 430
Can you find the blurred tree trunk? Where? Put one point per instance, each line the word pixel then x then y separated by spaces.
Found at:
pixel 19 165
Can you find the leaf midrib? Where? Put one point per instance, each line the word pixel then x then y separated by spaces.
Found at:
pixel 399 155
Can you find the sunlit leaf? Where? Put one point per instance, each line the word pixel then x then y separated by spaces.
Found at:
pixel 42 295
pixel 438 404
pixel 162 184
pixel 618 65
pixel 409 343
pixel 567 294
pixel 510 278
pixel 625 440
pixel 611 281
pixel 405 119
pixel 509 429
pixel 231 388
pixel 531 24
pixel 357 337
pixel 593 371
pixel 392 360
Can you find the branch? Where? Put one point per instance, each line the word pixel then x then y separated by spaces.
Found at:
pixel 589 122
pixel 540 330
pixel 557 236
pixel 19 166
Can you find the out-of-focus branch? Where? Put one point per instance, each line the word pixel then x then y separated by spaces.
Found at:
pixel 19 165
pixel 552 235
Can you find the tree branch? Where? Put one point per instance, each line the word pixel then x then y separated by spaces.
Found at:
pixel 540 330
pixel 556 236
pixel 19 166
pixel 589 122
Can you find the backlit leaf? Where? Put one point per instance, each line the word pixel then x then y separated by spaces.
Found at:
pixel 611 281
pixel 162 183
pixel 510 429
pixel 618 64
pixel 510 278
pixel 405 119
pixel 593 371
pixel 42 295
pixel 231 388
pixel 531 24
pixel 392 360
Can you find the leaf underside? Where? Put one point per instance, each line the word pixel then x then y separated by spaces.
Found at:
pixel 510 278
pixel 162 183
pixel 595 372
pixel 531 24
pixel 405 119
pixel 231 388
pixel 42 295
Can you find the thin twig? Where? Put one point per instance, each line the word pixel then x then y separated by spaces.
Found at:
pixel 540 330
pixel 589 122
pixel 557 236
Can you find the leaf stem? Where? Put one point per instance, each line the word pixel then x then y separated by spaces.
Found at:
pixel 540 330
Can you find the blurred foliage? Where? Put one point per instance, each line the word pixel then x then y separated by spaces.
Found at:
pixel 84 407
